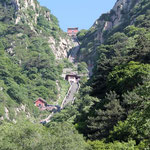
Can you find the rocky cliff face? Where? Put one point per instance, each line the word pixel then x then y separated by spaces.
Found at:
pixel 31 41
pixel 30 13
pixel 118 17
pixel 114 18
pixel 61 48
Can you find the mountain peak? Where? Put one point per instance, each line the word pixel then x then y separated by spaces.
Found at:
pixel 120 16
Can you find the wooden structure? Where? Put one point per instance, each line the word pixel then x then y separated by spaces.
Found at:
pixel 72 78
pixel 72 31
pixel 40 103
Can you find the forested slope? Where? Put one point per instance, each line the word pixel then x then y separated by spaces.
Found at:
pixel 121 81
pixel 30 42
pixel 32 52
pixel 113 106
pixel 111 110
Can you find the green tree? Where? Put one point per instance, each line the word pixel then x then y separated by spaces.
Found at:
pixel 101 145
pixel 102 122
pixel 81 34
pixel 141 50
pixel 82 68
pixel 126 77
pixel 25 135
pixel 1 49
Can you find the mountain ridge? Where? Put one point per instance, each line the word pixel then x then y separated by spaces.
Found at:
pixel 32 49
pixel 31 14
pixel 111 109
pixel 102 28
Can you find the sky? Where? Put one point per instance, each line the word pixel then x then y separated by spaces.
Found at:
pixel 77 13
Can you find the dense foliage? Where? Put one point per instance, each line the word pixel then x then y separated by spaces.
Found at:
pixel 28 69
pixel 28 136
pixel 112 108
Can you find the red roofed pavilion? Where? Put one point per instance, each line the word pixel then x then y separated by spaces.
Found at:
pixel 40 103
pixel 72 31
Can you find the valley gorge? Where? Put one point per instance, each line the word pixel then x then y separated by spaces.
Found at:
pixel 105 104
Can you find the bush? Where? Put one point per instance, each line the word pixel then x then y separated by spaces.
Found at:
pixel 25 135
pixel 101 145
pixel 81 34
pixel 126 77
pixel 17 93
pixel 82 68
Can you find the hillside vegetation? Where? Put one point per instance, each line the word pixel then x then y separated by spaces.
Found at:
pixel 28 68
pixel 111 110
pixel 30 43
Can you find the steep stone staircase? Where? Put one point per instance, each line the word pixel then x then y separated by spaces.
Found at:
pixel 70 95
pixel 74 87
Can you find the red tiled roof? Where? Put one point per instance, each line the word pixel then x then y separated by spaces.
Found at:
pixel 40 100
pixel 73 28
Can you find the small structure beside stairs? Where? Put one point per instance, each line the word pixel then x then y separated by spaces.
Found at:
pixel 72 78
pixel 42 105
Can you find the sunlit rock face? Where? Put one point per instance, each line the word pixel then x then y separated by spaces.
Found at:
pixel 113 18
pixel 27 12
pixel 105 24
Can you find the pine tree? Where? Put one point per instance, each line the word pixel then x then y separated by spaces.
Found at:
pixel 104 119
